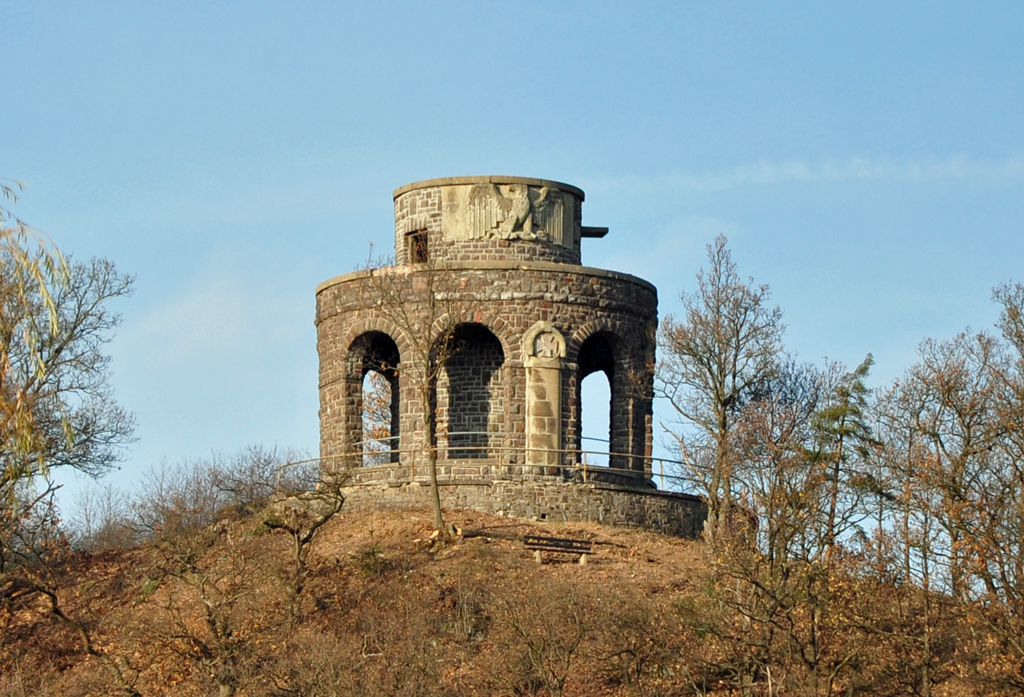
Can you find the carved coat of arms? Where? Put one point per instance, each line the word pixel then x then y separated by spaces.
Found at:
pixel 515 212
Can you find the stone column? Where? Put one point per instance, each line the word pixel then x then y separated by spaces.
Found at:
pixel 544 349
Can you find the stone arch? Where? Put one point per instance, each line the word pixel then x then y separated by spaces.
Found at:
pixel 601 352
pixel 607 345
pixel 605 325
pixel 502 330
pixel 372 351
pixel 375 323
pixel 470 393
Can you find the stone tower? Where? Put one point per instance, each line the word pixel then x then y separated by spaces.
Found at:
pixel 487 284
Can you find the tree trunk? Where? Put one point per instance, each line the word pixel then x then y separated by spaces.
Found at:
pixel 833 504
pixel 435 490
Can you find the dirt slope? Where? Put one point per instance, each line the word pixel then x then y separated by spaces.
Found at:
pixel 382 611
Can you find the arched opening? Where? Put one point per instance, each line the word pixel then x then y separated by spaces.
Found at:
pixel 596 424
pixel 595 418
pixel 377 419
pixel 374 360
pixel 470 394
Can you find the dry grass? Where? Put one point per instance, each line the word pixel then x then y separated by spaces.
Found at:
pixel 383 612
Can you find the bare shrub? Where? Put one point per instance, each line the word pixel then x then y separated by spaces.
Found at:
pixel 217 601
pixel 468 613
pixel 320 665
pixel 387 646
pixel 217 588
pixel 34 556
pixel 102 520
pixel 546 626
pixel 302 516
pixel 639 644
pixel 251 477
pixel 399 653
pixel 193 494
pixel 176 499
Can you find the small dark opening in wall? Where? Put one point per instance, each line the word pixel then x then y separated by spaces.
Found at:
pixel 417 241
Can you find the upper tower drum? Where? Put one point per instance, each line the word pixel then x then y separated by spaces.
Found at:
pixel 489 218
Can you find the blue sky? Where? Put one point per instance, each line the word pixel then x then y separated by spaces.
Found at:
pixel 866 160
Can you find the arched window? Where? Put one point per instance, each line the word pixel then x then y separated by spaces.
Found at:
pixel 596 429
pixel 470 394
pixel 373 361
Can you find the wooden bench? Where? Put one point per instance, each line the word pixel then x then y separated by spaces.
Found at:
pixel 557 545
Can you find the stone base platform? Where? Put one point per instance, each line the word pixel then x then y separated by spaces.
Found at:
pixel 669 513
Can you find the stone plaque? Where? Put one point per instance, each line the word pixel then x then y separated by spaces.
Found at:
pixel 508 212
pixel 546 345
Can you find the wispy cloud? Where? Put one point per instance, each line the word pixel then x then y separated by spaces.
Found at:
pixel 668 248
pixel 210 319
pixel 767 173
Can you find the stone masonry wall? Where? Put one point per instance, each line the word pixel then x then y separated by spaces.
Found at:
pixel 669 513
pixel 421 209
pixel 507 299
pixel 470 398
pixel 500 256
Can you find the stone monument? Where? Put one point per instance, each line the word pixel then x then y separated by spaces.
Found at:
pixel 523 324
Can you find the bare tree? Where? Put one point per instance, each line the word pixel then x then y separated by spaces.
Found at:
pixel 102 520
pixel 778 573
pixel 423 301
pixel 31 270
pixel 948 429
pixel 722 350
pixel 56 406
pixel 949 406
pixel 302 516
pixel 55 373
pixel 993 539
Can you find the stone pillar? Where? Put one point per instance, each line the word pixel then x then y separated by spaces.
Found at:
pixel 544 349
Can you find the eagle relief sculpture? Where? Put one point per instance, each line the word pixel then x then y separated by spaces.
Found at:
pixel 519 212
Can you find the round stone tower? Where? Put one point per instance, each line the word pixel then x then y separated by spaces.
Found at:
pixel 480 336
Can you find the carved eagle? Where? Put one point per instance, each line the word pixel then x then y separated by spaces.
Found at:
pixel 512 216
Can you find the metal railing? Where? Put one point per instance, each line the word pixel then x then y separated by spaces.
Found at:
pixel 570 461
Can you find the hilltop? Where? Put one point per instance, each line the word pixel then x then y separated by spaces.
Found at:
pixel 383 611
